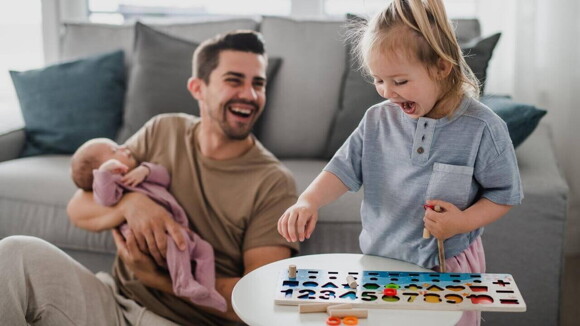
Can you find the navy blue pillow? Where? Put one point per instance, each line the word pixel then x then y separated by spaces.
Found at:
pixel 66 104
pixel 521 119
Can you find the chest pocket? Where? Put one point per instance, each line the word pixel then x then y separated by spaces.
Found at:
pixel 451 183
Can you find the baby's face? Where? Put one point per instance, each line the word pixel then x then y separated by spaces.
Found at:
pixel 108 149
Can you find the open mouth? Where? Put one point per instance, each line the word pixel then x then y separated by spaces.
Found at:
pixel 240 112
pixel 408 107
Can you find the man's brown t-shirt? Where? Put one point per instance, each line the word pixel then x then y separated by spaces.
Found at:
pixel 233 204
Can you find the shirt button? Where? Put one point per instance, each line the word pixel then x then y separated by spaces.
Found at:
pixel 420 150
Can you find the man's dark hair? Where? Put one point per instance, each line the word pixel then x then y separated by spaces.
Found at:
pixel 206 56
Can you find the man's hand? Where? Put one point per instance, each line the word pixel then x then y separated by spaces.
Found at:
pixel 114 166
pixel 135 176
pixel 150 224
pixel 140 264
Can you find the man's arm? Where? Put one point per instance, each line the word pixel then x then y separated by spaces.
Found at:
pixel 150 276
pixel 85 213
pixel 148 220
pixel 253 258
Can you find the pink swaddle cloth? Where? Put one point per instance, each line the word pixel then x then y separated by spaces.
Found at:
pixel 199 286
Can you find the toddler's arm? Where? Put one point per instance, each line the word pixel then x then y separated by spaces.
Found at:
pixel 453 221
pixel 299 221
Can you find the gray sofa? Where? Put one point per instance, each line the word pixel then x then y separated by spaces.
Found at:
pixel 302 101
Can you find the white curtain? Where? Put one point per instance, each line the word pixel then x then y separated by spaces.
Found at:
pixel 537 61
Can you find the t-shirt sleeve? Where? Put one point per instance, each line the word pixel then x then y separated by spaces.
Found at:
pixel 140 142
pixel 346 163
pixel 497 168
pixel 273 201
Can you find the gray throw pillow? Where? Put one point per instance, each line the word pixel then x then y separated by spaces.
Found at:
pixel 158 78
pixel 358 93
pixel 477 54
pixel 66 104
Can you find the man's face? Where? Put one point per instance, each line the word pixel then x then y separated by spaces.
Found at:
pixel 236 93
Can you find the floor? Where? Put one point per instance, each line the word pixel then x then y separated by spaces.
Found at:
pixel 570 314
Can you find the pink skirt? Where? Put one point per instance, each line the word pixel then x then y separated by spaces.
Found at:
pixel 471 260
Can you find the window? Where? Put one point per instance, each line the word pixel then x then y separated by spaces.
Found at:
pixel 118 11
pixel 21 35
pixel 455 8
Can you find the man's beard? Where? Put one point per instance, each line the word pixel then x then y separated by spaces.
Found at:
pixel 236 133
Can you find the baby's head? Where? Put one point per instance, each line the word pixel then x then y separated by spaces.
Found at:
pixel 413 34
pixel 92 154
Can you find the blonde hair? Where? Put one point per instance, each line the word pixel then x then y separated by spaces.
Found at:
pixel 431 38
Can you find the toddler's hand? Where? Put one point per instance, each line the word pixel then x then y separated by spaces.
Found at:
pixel 298 222
pixel 114 166
pixel 135 176
pixel 445 224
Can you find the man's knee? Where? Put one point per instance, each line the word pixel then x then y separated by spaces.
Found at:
pixel 12 243
pixel 14 248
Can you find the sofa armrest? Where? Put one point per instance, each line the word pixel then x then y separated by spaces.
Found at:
pixel 529 241
pixel 11 142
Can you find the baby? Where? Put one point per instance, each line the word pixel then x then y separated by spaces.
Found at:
pixel 108 169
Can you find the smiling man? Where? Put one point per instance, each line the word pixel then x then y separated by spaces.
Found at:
pixel 232 189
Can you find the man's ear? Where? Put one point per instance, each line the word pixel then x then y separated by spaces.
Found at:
pixel 443 68
pixel 195 86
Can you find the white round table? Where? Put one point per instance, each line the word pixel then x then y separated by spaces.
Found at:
pixel 253 295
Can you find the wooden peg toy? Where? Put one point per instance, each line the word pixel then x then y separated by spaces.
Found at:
pixel 440 246
pixel 359 313
pixel 351 282
pixel 313 307
pixel 437 208
pixel 292 271
pixel 339 306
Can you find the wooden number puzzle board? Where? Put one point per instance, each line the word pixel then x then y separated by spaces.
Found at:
pixel 414 290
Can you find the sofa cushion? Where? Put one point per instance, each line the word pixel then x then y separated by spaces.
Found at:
pixel 34 193
pixel 303 100
pixel 521 119
pixel 66 104
pixel 477 54
pixel 358 92
pixel 161 66
pixel 345 209
pixel 81 39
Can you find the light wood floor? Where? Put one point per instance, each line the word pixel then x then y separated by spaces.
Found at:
pixel 570 310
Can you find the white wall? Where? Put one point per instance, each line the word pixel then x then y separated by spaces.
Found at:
pixel 54 12
pixel 537 62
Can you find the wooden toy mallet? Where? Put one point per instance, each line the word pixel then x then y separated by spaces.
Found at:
pixel 440 246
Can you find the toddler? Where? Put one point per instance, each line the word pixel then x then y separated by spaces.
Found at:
pixel 107 169
pixel 430 143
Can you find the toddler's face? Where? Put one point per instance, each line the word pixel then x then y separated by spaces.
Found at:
pixel 405 82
